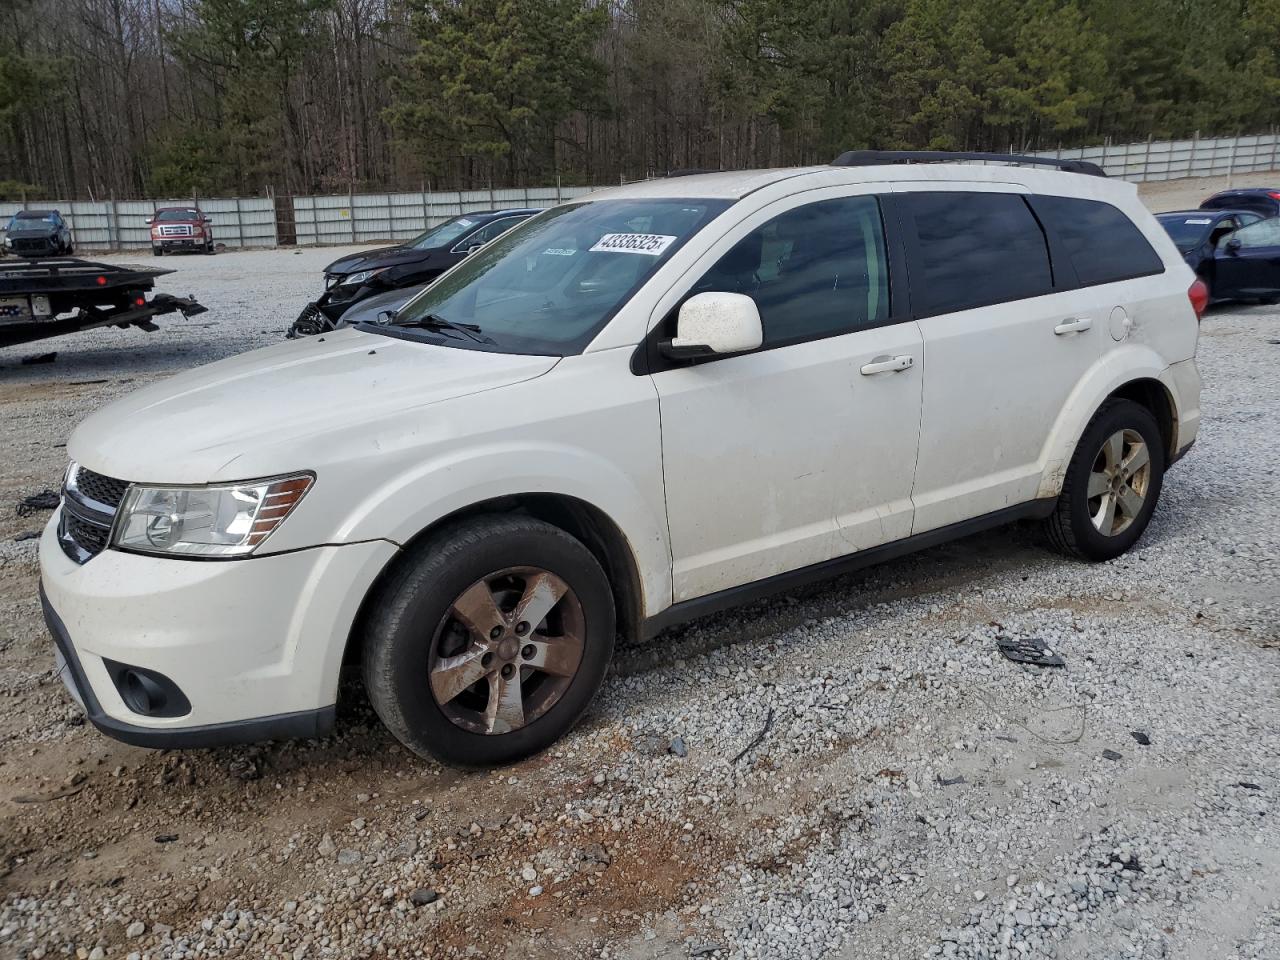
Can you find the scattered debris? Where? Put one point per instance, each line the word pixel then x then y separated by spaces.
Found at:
pixel 1142 738
pixel 1247 785
pixel 951 781
pixel 27 535
pixel 1112 755
pixel 677 747
pixel 423 896
pixel 46 499
pixel 1030 650
pixel 34 358
pixel 166 838
pixel 593 858
pixel 759 737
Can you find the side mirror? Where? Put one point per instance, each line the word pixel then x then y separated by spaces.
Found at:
pixel 711 324
pixel 1233 246
pixel 207 220
pixel 150 220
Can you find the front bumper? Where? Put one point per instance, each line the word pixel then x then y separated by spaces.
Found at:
pixel 179 243
pixel 254 645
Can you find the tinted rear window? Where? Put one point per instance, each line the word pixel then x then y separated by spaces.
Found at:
pixel 974 249
pixel 1104 245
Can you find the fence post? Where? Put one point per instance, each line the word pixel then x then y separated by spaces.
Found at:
pixel 113 229
pixel 1191 161
pixel 1146 160
pixel 559 199
pixel 1231 159
pixel 1103 164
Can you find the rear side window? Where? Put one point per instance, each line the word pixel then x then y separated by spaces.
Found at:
pixel 1103 243
pixel 814 271
pixel 974 249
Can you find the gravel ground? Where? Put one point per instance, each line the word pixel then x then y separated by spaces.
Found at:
pixel 849 771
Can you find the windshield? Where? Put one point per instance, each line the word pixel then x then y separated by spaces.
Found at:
pixel 1188 232
pixel 549 285
pixel 443 234
pixel 178 215
pixel 21 224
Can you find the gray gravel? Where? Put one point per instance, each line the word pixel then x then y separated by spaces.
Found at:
pixel 850 771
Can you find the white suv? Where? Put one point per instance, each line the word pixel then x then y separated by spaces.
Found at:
pixel 633 409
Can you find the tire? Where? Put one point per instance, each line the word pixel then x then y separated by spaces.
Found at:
pixel 1100 462
pixel 157 251
pixel 208 247
pixel 419 651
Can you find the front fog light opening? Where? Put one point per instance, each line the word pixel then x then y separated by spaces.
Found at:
pixel 146 692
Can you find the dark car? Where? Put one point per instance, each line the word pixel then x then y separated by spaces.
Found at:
pixel 38 233
pixel 1247 263
pixel 1197 235
pixel 1264 201
pixel 415 262
pixel 180 228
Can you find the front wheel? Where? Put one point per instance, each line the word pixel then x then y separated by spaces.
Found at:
pixel 490 641
pixel 1112 484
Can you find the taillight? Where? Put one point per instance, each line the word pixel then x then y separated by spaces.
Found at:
pixel 1274 194
pixel 1198 294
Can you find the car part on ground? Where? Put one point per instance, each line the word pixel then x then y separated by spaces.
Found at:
pixel 46 298
pixel 355 278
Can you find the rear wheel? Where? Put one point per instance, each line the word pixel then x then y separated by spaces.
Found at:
pixel 490 641
pixel 1112 484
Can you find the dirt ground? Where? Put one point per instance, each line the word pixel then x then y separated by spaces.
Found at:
pixel 620 842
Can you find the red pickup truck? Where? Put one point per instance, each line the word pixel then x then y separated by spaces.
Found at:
pixel 180 228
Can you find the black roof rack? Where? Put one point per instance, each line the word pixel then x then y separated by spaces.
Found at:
pixel 872 158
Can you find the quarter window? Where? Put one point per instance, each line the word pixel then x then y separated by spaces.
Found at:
pixel 974 249
pixel 814 271
pixel 1104 245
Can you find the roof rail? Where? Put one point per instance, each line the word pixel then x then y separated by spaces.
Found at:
pixel 871 158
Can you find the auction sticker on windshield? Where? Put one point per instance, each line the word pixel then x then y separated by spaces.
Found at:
pixel 652 244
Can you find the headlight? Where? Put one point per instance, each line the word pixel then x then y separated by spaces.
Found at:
pixel 220 520
pixel 357 278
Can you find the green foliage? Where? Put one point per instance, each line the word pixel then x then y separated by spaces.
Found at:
pixel 493 78
pixel 17 190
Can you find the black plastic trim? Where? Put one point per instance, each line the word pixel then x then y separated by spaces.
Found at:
pixel 749 592
pixel 304 724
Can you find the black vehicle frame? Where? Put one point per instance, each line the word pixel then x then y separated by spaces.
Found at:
pixel 45 298
pixel 352 279
pixel 1264 201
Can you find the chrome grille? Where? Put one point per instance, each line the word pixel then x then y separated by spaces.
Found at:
pixel 181 230
pixel 89 504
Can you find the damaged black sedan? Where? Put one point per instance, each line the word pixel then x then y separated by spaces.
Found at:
pixel 38 233
pixel 352 279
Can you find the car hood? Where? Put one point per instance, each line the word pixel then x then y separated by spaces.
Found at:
pixel 383 257
pixel 266 412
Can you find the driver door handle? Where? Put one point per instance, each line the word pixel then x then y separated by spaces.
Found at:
pixel 887 364
pixel 1078 325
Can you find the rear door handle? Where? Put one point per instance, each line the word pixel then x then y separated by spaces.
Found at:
pixel 887 365
pixel 1078 325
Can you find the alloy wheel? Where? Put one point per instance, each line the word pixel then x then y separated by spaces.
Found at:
pixel 506 650
pixel 1119 482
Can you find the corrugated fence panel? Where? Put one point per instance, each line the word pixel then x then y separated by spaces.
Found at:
pixel 373 217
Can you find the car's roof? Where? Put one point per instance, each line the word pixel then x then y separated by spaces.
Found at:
pixel 179 207
pixel 508 212
pixel 34 214
pixel 1215 212
pixel 735 184
pixel 1249 191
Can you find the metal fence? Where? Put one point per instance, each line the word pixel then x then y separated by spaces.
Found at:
pixel 1176 159
pixel 122 224
pixel 360 218
pixel 365 218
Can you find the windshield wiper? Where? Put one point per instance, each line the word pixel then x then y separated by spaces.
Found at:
pixel 433 321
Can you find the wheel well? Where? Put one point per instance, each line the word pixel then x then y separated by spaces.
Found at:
pixel 586 523
pixel 1153 395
